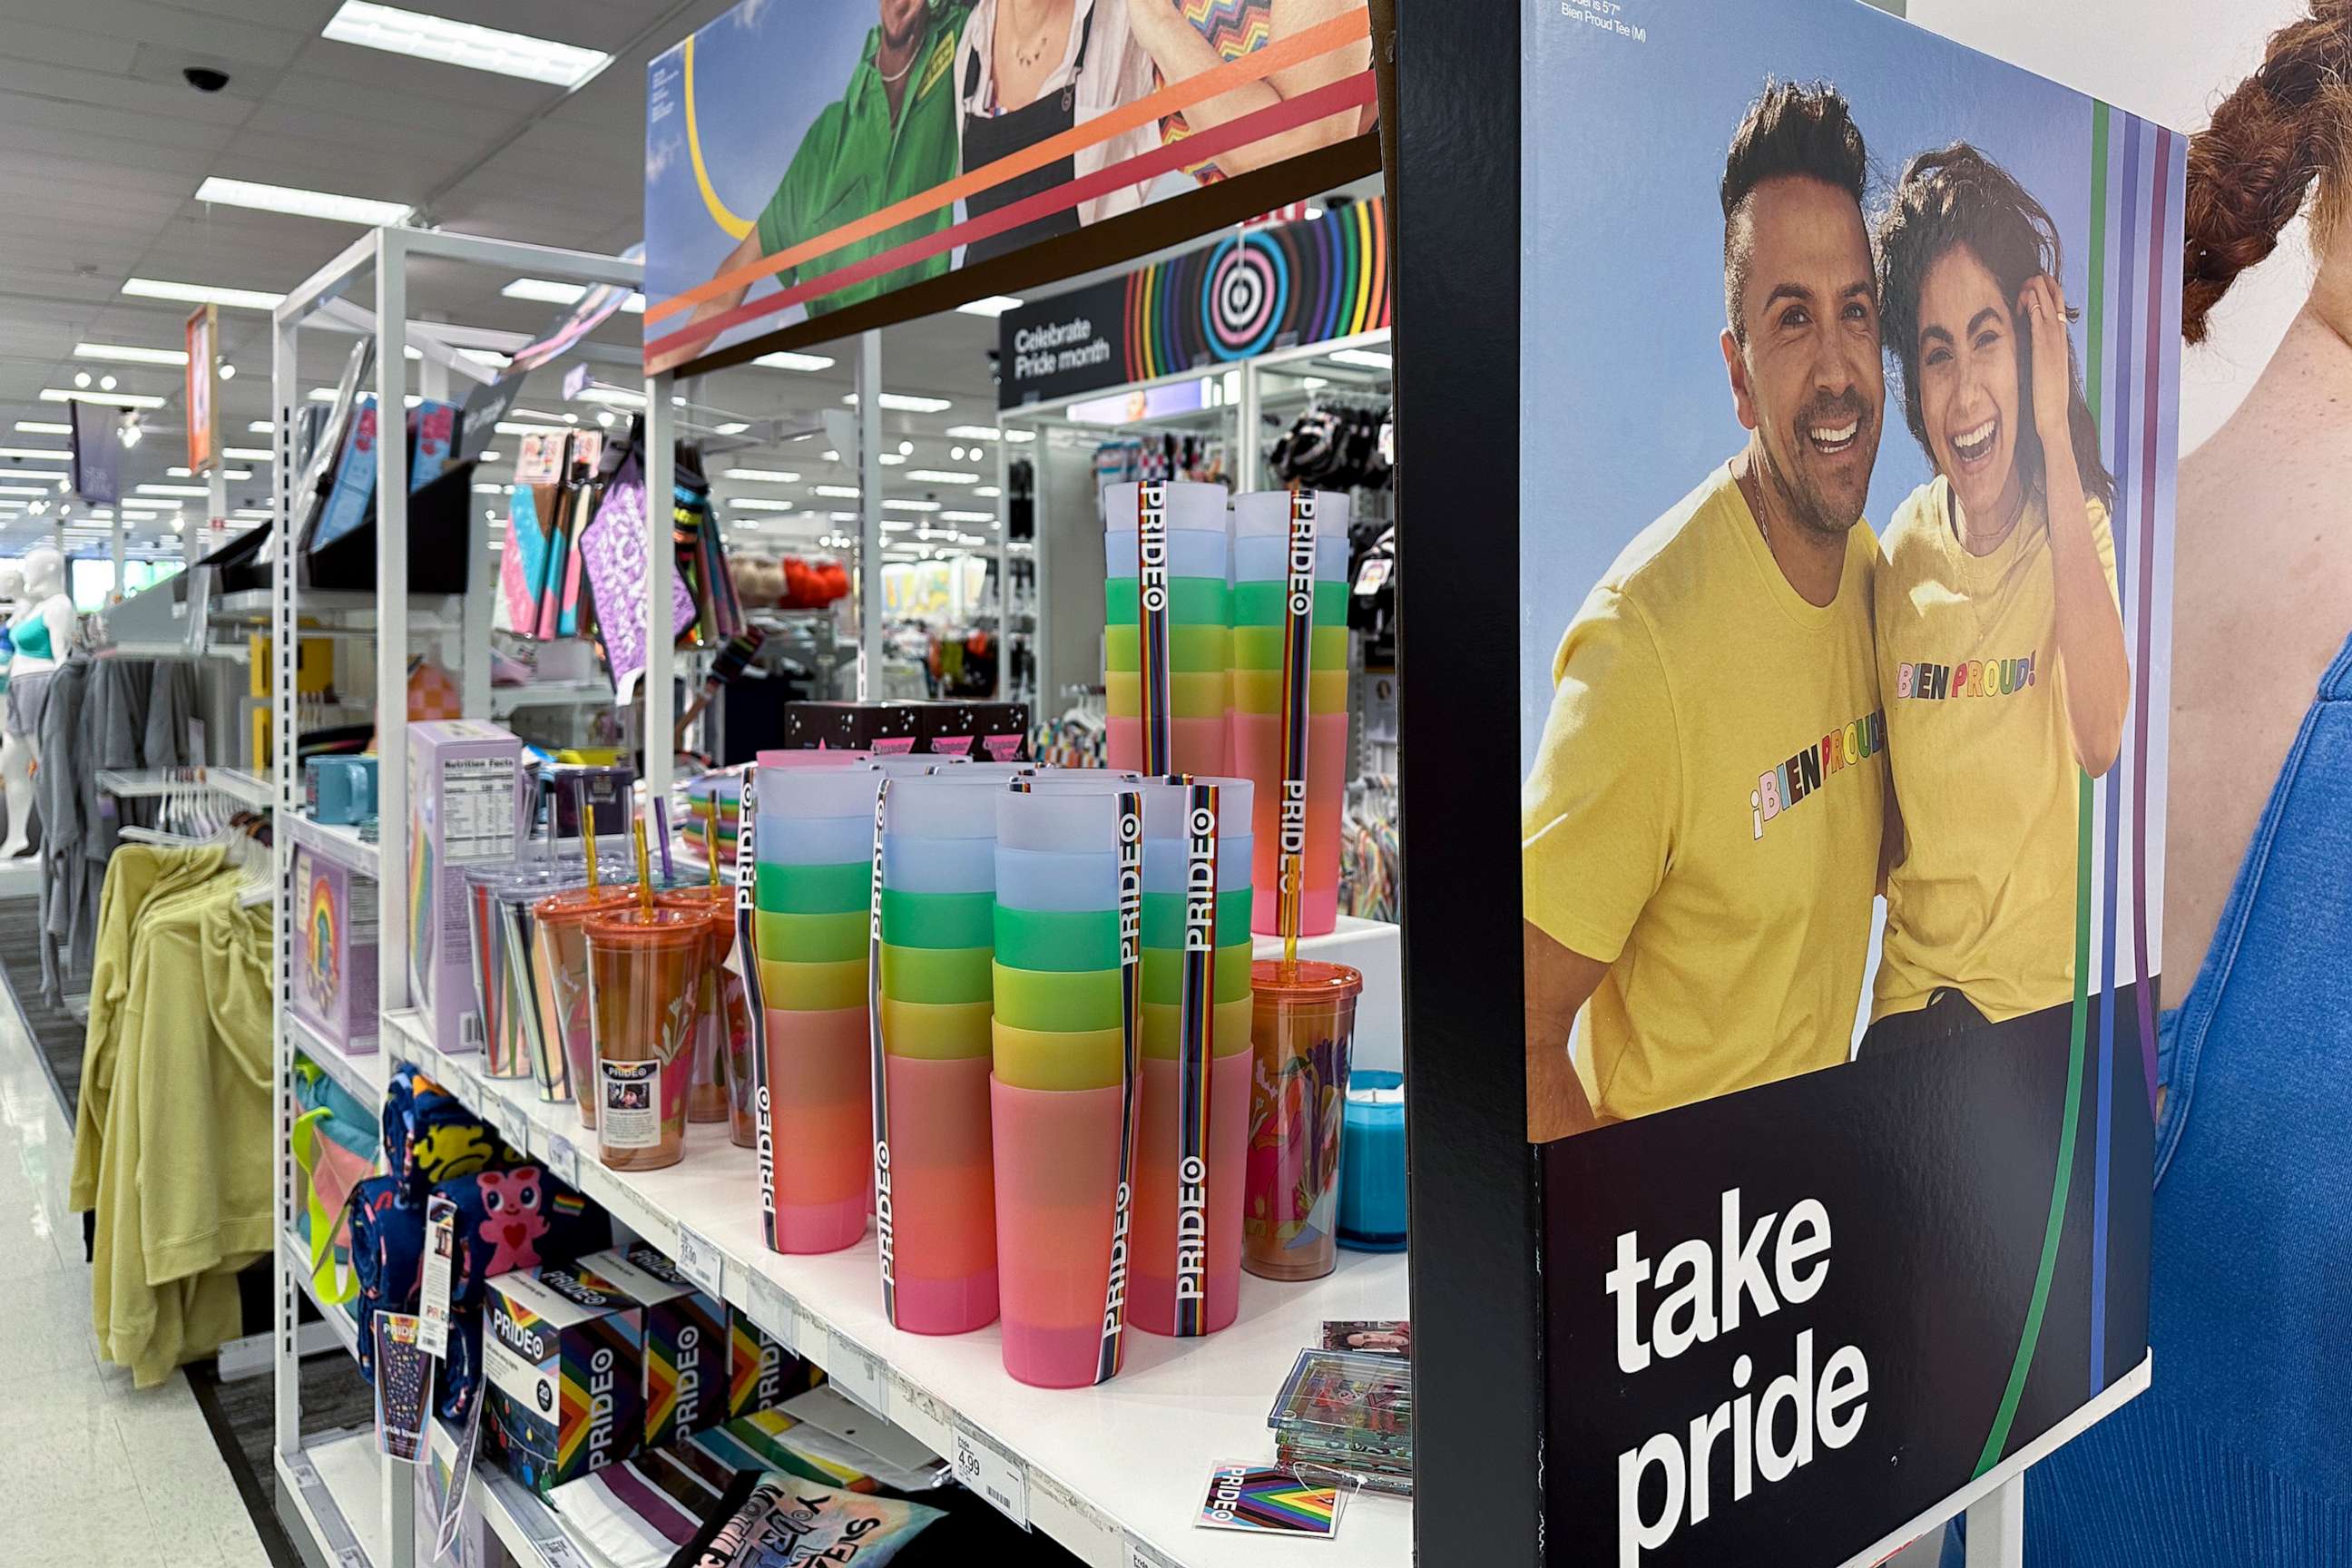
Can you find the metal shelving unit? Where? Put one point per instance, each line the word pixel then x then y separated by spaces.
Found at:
pixel 351 1510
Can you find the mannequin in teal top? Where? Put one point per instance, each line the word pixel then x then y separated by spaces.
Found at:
pixel 41 629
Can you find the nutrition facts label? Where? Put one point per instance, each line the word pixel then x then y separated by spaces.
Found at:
pixel 478 809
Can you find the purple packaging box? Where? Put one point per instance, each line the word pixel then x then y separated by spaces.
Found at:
pixel 466 808
pixel 335 951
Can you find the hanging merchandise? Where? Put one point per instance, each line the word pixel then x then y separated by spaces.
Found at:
pixel 1337 445
pixel 1370 860
pixel 619 575
pixel 702 554
pixel 555 491
pixel 175 1080
pixel 1290 555
pixel 1080 738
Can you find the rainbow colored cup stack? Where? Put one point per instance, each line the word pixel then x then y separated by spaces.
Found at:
pixel 1262 600
pixel 1186 582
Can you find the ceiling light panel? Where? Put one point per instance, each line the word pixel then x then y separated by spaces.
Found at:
pixel 761 476
pixel 425 38
pixel 547 291
pixel 126 353
pixel 941 476
pixel 784 360
pixel 299 203
pixel 109 399
pixel 202 294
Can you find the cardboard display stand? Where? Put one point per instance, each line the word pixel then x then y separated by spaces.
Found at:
pixel 1799 1290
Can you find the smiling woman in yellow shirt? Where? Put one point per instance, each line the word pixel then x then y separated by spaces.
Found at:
pixel 2001 644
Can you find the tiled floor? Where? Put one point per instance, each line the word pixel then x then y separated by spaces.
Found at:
pixel 95 1470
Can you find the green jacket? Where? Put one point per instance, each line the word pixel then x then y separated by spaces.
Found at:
pixel 854 161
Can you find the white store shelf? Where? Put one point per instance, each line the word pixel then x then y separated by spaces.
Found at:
pixel 338 1319
pixel 333 1487
pixel 361 1073
pixel 339 843
pixel 509 700
pixel 1123 1464
pixel 138 784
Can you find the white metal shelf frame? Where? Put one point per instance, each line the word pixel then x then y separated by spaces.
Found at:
pixel 322 302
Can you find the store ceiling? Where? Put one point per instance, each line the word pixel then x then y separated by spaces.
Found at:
pixel 103 144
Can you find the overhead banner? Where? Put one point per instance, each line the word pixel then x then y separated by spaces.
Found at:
pixel 203 419
pixel 1848 410
pixel 1305 281
pixel 813 160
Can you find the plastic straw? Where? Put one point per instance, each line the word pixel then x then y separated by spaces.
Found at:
pixel 661 837
pixel 711 836
pixel 1297 651
pixel 588 837
pixel 644 878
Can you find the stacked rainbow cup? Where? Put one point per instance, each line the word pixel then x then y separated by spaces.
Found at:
pixel 1192 1159
pixel 1067 1017
pixel 1265 740
pixel 935 1204
pixel 813 833
pixel 1166 555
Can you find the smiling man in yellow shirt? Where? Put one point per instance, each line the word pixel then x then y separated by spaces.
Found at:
pixel 1701 831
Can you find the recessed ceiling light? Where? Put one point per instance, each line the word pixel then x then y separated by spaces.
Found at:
pixel 36 454
pixel 542 418
pixel 967 517
pixel 106 384
pixel 299 203
pixel 261 428
pixel 994 305
pixel 733 427
pixel 490 489
pixel 604 416
pixel 991 491
pixel 786 360
pixel 616 396
pixel 903 403
pixel 256 513
pixel 202 294
pixel 942 476
pixel 839 492
pixel 974 431
pixel 43 427
pixel 911 506
pixel 173 490
pixel 1366 359
pixel 547 291
pixel 110 399
pixel 227 371
pixel 424 37
pixel 250 454
pixel 761 503
pixel 1018 437
pixel 761 476
pixel 890 459
pixel 126 353
pixel 23 490
pixel 82 378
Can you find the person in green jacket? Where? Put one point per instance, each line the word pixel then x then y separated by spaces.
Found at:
pixel 890 135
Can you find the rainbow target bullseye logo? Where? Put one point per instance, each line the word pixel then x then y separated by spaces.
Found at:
pixel 1246 295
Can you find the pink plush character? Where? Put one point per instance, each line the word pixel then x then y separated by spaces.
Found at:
pixel 511 1221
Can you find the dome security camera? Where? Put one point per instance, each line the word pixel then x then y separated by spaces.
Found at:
pixel 204 78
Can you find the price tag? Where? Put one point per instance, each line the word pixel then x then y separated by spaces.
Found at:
pixel 776 1313
pixel 703 1263
pixel 563 1161
pixel 440 1251
pixel 987 1468
pixel 859 1373
pixel 512 1121
pixel 1138 1556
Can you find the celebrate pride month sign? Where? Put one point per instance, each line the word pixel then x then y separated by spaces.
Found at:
pixel 1848 413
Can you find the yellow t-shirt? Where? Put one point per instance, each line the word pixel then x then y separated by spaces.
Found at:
pixel 1706 809
pixel 1984 764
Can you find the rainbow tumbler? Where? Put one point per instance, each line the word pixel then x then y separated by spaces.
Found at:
pixel 1187 1221
pixel 938 891
pixel 813 837
pixel 1261 608
pixel 1060 1090
pixel 1195 688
